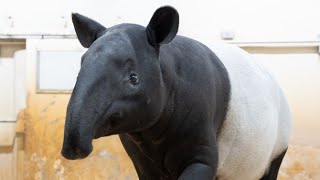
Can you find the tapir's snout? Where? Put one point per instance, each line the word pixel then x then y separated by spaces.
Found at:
pixel 77 142
pixel 76 150
pixel 75 153
pixel 81 119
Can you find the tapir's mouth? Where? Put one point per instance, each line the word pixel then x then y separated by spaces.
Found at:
pixel 110 126
pixel 79 146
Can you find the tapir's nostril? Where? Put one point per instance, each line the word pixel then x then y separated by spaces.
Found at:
pixel 76 152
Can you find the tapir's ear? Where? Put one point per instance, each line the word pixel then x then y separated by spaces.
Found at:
pixel 87 29
pixel 163 26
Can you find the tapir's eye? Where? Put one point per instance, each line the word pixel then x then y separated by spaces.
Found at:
pixel 134 79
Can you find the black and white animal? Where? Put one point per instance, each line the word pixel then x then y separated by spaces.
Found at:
pixel 182 111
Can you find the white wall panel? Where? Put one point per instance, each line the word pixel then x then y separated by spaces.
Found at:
pixel 58 70
pixel 6 89
pixel 20 96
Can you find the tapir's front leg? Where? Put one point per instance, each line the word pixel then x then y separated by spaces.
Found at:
pixel 203 163
pixel 198 171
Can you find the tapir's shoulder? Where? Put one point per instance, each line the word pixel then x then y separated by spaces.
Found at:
pixel 187 52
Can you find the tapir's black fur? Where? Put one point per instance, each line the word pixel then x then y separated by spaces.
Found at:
pixel 166 96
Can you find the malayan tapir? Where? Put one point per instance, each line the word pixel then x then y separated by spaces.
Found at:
pixel 182 110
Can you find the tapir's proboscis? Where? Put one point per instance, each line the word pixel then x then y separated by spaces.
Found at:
pixel 182 110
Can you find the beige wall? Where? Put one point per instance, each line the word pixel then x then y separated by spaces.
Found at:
pixel 7 163
pixel 43 139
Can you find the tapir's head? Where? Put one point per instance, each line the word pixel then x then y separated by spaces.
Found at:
pixel 119 88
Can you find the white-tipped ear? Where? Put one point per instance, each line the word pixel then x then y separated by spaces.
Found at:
pixel 87 29
pixel 163 26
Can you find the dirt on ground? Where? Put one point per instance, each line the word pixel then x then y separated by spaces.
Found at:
pixel 300 163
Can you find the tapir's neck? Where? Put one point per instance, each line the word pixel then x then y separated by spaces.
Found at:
pixel 159 132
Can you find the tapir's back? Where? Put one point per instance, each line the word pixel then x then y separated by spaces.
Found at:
pixel 257 126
